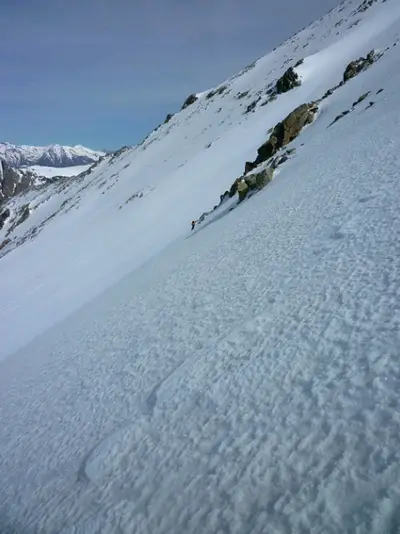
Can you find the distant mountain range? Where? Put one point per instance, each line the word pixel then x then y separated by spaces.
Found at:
pixel 50 156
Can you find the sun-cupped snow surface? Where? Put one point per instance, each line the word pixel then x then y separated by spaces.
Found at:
pixel 244 379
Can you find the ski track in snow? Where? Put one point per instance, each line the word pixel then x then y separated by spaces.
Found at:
pixel 244 380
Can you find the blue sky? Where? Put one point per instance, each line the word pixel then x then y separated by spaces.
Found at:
pixel 103 73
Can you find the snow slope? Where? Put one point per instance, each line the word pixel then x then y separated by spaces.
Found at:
pixel 241 378
pixel 91 232
pixel 52 155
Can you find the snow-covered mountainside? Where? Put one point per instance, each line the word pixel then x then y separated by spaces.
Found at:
pixel 241 377
pixel 14 181
pixel 32 167
pixel 50 156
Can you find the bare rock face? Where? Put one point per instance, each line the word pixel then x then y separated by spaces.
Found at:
pixel 286 131
pixel 14 181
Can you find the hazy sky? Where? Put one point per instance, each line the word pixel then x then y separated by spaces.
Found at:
pixel 103 73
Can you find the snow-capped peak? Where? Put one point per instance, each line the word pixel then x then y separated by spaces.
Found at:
pixel 53 155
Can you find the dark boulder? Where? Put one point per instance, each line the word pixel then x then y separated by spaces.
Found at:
pixel 288 81
pixel 249 166
pixel 191 99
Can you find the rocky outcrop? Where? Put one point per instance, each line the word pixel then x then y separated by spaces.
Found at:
pixel 259 180
pixel 361 99
pixel 15 181
pixel 366 4
pixel 249 166
pixel 251 107
pixel 217 91
pixel 21 216
pixel 242 189
pixel 288 81
pixel 242 94
pixel 286 131
pixel 247 183
pixel 168 118
pixel 281 135
pixel 4 243
pixel 191 99
pixel 281 158
pixel 114 156
pixel 3 217
pixel 359 65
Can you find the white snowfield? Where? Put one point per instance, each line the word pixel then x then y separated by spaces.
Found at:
pixel 52 172
pixel 241 378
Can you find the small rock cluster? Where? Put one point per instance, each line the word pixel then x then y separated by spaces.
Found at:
pixel 366 4
pixel 191 99
pixel 218 91
pixel 4 243
pixel 357 66
pixel 282 134
pixel 21 216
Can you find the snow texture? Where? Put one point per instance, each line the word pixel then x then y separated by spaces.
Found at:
pixel 240 378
